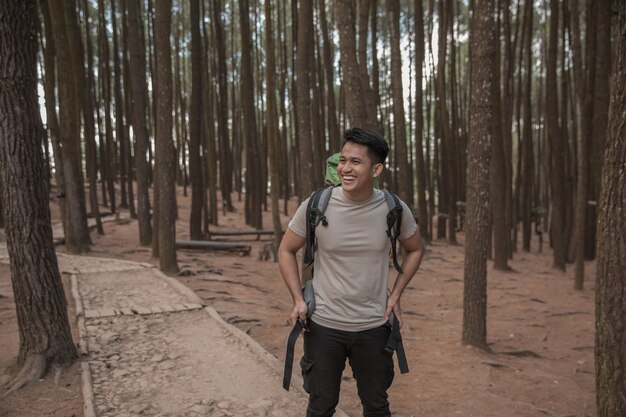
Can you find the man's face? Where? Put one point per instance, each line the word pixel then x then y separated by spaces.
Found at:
pixel 356 170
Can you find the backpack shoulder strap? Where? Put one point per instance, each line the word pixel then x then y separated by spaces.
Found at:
pixel 314 215
pixel 394 221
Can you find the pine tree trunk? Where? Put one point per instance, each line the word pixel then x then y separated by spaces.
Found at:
pixel 77 234
pixel 334 135
pixel 137 72
pixel 254 177
pixel 557 151
pixel 303 98
pixel 195 125
pixel 165 152
pixel 226 169
pixel 419 121
pixel 482 129
pixel 127 106
pixel 356 111
pixel 527 136
pixel 272 128
pixel 45 336
pixel 498 173
pixel 404 170
pixel 610 287
pixel 120 135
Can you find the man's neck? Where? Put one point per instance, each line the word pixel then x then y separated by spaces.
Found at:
pixel 358 197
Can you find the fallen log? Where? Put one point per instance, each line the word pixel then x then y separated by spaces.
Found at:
pixel 210 245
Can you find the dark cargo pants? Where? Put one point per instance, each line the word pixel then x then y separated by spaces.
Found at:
pixel 325 353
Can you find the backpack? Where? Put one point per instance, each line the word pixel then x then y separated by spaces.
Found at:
pixel 315 215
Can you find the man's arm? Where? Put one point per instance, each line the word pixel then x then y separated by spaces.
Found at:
pixel 288 264
pixel 415 250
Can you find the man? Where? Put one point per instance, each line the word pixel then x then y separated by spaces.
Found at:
pixel 351 277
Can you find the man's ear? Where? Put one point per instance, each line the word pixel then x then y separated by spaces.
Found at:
pixel 378 169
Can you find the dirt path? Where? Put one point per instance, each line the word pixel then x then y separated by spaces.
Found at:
pixel 153 349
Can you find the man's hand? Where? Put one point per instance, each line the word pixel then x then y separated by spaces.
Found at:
pixel 299 311
pixel 393 304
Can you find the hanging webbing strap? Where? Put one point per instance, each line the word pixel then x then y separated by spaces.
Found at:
pixel 394 221
pixel 291 343
pixel 395 344
pixel 315 214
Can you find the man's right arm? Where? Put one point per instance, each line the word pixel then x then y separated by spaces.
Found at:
pixel 288 264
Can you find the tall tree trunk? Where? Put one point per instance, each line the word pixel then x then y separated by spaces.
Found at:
pixel 498 171
pixel 105 78
pixel 49 53
pixel 226 166
pixel 210 164
pixel 44 328
pixel 195 125
pixel 482 128
pixel 404 169
pixel 557 151
pixel 120 135
pixel 77 233
pixel 419 120
pixel 364 8
pixel 527 138
pixel 165 151
pixel 600 115
pixel 254 177
pixel 610 344
pixel 356 111
pixel 303 98
pixel 333 125
pixel 127 106
pixel 137 72
pixel 272 128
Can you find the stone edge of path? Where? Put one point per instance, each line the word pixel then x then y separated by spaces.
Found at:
pixel 270 360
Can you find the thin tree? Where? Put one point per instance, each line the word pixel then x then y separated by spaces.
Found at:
pixel 137 72
pixel 195 124
pixel 76 234
pixel 419 120
pixel 356 112
pixel 334 136
pixel 482 114
pixel 272 128
pixel 527 160
pixel 498 175
pixel 44 328
pixel 165 151
pixel 254 177
pixel 610 344
pixel 303 98
pixel 401 150
pixel 222 109
pixel 557 149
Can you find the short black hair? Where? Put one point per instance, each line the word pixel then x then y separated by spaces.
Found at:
pixel 377 145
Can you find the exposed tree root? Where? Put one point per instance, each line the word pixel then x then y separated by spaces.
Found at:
pixel 34 368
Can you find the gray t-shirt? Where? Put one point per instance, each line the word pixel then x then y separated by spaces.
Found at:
pixel 352 260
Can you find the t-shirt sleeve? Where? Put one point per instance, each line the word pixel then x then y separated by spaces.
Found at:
pixel 408 226
pixel 298 222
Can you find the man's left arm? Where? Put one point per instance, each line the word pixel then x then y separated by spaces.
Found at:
pixel 414 248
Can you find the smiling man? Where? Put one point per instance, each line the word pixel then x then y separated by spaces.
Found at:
pixel 351 279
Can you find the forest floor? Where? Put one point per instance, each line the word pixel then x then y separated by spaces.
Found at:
pixel 540 330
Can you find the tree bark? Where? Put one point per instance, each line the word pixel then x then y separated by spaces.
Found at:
pixel 498 172
pixel 137 72
pixel 254 177
pixel 402 163
pixel 557 151
pixel 44 328
pixel 527 135
pixel 77 234
pixel 419 121
pixel 195 124
pixel 482 129
pixel 165 151
pixel 610 343
pixel 226 168
pixel 356 112
pixel 272 128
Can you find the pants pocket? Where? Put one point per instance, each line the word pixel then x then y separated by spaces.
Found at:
pixel 307 376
